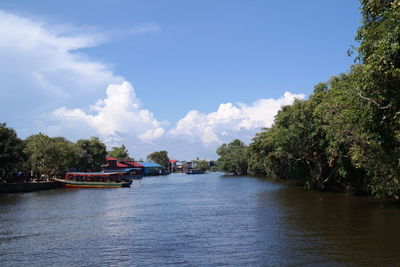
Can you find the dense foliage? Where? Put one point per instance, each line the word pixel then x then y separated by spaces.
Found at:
pixel 201 164
pixel 119 152
pixel 11 151
pixel 159 157
pixel 91 154
pixel 49 156
pixel 233 157
pixel 346 136
pixel 40 154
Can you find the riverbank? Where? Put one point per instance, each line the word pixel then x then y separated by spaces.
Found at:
pixel 27 187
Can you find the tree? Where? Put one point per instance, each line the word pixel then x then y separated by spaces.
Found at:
pixel 50 156
pixel 233 157
pixel 160 157
pixel 11 151
pixel 377 85
pixel 119 152
pixel 347 135
pixel 91 154
pixel 66 157
pixel 202 164
pixel 41 153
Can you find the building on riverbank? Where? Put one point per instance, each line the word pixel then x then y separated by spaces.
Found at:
pixel 151 168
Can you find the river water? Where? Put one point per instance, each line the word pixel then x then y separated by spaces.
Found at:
pixel 197 220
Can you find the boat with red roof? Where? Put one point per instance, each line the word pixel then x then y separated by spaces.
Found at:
pixel 95 180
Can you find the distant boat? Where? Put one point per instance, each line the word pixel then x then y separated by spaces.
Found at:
pixel 195 172
pixel 95 180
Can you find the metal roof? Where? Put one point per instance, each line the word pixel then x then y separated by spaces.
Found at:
pixel 150 165
pixel 134 164
pixel 93 173
pixel 119 164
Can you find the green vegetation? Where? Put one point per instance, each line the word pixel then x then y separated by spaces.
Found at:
pixel 159 157
pixel 40 154
pixel 346 136
pixel 119 152
pixel 233 157
pixel 201 164
pixel 11 151
pixel 91 154
pixel 49 156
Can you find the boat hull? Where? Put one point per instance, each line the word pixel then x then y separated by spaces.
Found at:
pixel 78 184
pixel 195 172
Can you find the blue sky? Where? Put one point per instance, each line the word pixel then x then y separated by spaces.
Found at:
pixel 183 76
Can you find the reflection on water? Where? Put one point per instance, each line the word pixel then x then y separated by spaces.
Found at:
pixel 339 229
pixel 196 220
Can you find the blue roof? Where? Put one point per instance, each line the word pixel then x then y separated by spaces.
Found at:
pixel 150 165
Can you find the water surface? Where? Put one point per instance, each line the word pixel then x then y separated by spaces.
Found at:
pixel 196 220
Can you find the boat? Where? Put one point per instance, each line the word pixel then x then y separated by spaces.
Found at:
pixel 195 172
pixel 95 180
pixel 129 173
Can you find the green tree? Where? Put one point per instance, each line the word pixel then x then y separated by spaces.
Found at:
pixel 119 152
pixel 49 156
pixel 202 164
pixel 233 157
pixel 41 153
pixel 11 151
pixel 66 157
pixel 160 157
pixel 91 154
pixel 377 85
pixel 308 140
pixel 347 135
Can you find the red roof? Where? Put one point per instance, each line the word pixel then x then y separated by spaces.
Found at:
pixel 172 160
pixel 110 158
pixel 134 164
pixel 122 165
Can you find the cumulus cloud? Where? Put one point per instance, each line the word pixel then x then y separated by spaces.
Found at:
pixel 119 119
pixel 49 59
pixel 230 120
pixel 119 113
pixel 42 68
pixel 43 71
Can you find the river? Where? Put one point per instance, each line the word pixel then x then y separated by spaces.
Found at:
pixel 197 220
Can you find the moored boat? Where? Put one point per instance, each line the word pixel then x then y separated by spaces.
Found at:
pixel 192 171
pixel 95 180
pixel 129 173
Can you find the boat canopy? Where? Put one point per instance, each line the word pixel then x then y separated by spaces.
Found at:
pixel 99 174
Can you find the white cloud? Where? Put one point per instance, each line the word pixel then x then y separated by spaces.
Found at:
pixel 44 71
pixel 229 120
pixel 119 119
pixel 119 113
pixel 42 68
pixel 45 56
pixel 152 134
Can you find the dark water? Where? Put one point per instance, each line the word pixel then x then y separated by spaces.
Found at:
pixel 196 220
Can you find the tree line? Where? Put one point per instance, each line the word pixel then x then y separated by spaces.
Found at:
pixel 40 154
pixel 346 136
